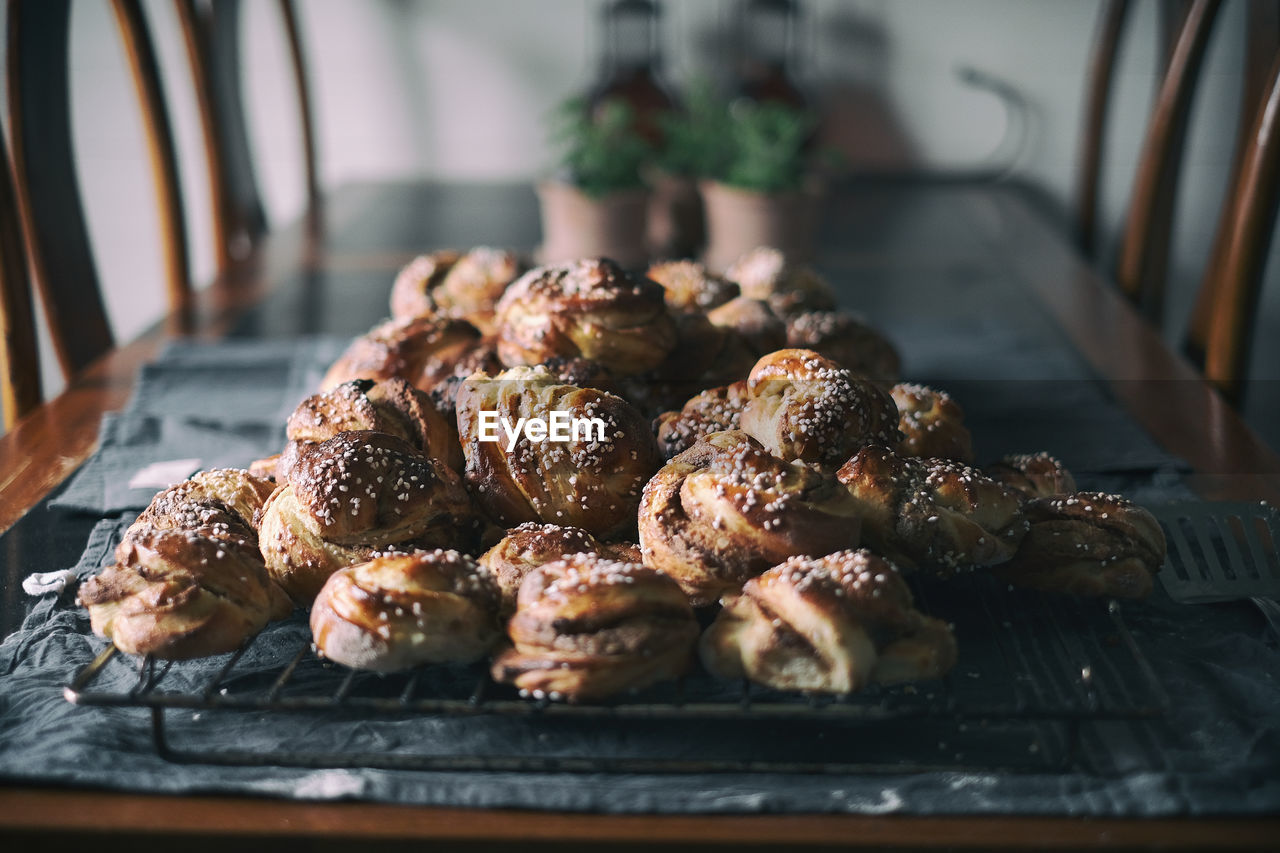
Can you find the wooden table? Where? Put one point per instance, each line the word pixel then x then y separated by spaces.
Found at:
pixel 332 275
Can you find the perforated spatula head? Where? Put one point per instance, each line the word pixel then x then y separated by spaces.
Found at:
pixel 1220 551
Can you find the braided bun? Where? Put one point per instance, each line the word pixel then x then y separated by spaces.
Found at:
pixel 188 580
pixel 587 627
pixel 711 411
pixel 447 284
pixel 764 273
pixel 353 495
pixel 932 424
pixel 726 509
pixel 423 351
pixel 586 482
pixel 531 545
pixel 1036 475
pixel 932 512
pixel 690 286
pixel 754 322
pixel 832 625
pixel 804 407
pixel 847 340
pixel 392 406
pixel 706 356
pixel 588 309
pixel 1087 543
pixel 398 611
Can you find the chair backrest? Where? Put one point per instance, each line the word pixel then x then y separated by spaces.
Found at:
pixel 1106 47
pixel 48 195
pixel 1262 43
pixel 19 358
pixel 1113 17
pixel 1142 265
pixel 211 31
pixel 1221 333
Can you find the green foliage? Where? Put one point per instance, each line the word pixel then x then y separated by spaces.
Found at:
pixel 695 139
pixel 761 147
pixel 767 147
pixel 599 150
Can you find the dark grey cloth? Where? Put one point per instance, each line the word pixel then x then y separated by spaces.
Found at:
pixel 221 404
pixel 1216 753
pixel 234 381
pixel 129 443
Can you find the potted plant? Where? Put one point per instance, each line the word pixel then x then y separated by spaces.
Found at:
pixel 763 192
pixel 597 203
pixel 692 146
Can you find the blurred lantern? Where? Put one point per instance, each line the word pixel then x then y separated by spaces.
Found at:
pixel 629 66
pixel 767 35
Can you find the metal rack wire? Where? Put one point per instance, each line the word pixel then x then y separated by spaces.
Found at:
pixel 1033 669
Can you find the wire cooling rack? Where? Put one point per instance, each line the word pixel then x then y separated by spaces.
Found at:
pixel 1033 669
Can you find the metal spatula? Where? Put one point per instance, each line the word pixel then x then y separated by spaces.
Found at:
pixel 1220 551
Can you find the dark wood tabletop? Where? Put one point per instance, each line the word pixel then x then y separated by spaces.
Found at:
pixel 896 243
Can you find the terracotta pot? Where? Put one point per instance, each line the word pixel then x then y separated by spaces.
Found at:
pixel 739 220
pixel 676 229
pixel 576 225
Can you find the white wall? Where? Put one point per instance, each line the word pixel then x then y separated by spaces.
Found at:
pixel 457 89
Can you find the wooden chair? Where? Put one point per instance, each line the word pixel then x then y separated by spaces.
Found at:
pixel 211 31
pixel 1113 17
pixel 48 196
pixel 1142 266
pixel 1221 332
pixel 19 358
pixel 1101 74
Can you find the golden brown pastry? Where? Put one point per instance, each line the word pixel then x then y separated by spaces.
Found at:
pixel 932 424
pixel 481 357
pixel 392 406
pixel 581 372
pixel 764 273
pixel 833 624
pixel 932 513
pixel 1036 475
pixel 423 351
pixel 531 545
pixel 587 627
pixel 847 340
pixel 585 309
pixel 265 468
pixel 398 611
pixel 592 481
pixel 711 411
pixel 726 509
pixel 353 495
pixel 754 322
pixel 205 499
pixel 1087 543
pixel 447 284
pixel 706 356
pixel 188 580
pixel 690 286
pixel 411 293
pixel 804 407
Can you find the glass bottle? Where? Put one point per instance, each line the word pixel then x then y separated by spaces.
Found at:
pixel 630 65
pixel 766 42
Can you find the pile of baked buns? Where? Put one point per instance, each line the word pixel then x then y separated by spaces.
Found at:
pixel 758 458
